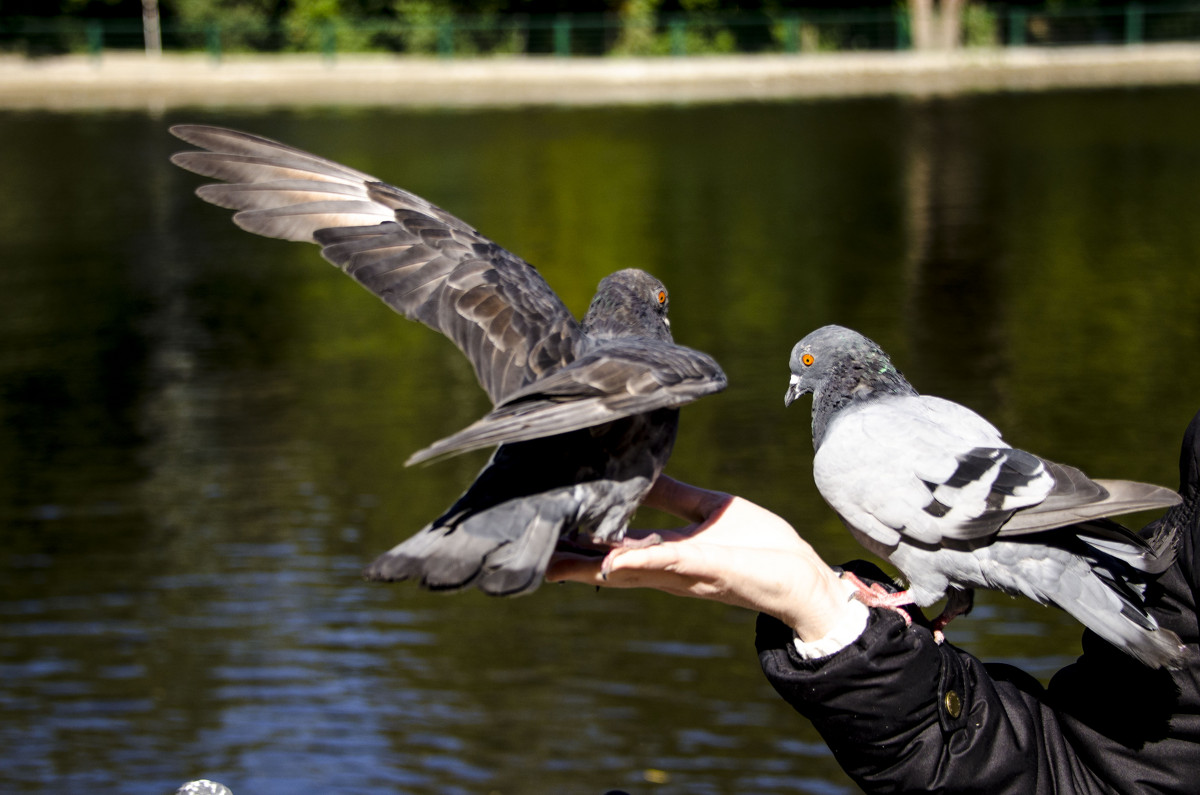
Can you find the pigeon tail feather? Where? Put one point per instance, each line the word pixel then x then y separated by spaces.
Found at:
pixel 1103 592
pixel 503 551
pixel 1131 629
pixel 1152 555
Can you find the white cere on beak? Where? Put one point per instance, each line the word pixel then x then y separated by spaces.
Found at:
pixel 793 390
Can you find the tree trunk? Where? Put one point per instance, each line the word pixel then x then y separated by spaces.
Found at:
pixel 921 16
pixel 951 24
pixel 151 28
pixel 936 27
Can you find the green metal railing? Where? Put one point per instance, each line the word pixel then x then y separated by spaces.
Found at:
pixel 566 35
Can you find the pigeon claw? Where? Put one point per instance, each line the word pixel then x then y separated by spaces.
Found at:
pixel 607 564
pixel 958 603
pixel 875 595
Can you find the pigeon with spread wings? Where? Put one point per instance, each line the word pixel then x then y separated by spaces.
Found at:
pixel 932 487
pixel 585 413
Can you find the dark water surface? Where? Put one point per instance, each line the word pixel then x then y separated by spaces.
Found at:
pixel 202 432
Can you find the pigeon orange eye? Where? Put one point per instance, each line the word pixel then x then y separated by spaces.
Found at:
pixel 807 359
pixel 662 296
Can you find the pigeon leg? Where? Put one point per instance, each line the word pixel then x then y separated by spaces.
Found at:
pixel 654 539
pixel 875 595
pixel 624 545
pixel 958 603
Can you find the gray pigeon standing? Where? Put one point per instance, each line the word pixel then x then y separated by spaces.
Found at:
pixel 585 414
pixel 930 486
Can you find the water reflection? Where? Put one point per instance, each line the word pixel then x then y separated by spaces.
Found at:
pixel 203 432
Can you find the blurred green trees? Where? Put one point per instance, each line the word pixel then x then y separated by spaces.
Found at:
pixel 594 27
pixel 265 11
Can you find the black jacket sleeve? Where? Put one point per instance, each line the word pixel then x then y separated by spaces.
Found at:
pixel 904 714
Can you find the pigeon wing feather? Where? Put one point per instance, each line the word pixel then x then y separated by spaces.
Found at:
pixel 423 262
pixel 616 379
pixel 925 469
pixel 1077 498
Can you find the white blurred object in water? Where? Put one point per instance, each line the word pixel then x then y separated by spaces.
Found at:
pixel 203 787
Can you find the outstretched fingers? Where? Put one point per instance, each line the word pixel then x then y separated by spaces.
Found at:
pixel 661 566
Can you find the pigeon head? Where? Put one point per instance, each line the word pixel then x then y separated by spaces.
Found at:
pixel 840 366
pixel 629 303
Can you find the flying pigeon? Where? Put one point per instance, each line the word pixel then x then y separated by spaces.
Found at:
pixel 931 486
pixel 585 413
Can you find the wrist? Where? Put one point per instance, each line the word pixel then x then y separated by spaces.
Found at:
pixel 828 609
pixel 849 628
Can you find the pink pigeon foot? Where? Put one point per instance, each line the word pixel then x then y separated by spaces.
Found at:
pixel 875 595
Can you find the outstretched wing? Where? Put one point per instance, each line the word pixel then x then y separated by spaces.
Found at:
pixel 423 262
pixel 614 380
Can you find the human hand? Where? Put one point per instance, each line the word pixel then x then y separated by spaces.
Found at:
pixel 734 552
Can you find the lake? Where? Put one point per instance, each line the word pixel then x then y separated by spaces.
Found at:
pixel 202 433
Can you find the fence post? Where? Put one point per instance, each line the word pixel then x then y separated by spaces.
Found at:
pixel 328 40
pixel 1016 28
pixel 678 28
pixel 1134 23
pixel 212 40
pixel 562 35
pixel 791 33
pixel 903 29
pixel 95 38
pixel 445 31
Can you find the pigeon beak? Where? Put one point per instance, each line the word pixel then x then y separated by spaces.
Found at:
pixel 793 391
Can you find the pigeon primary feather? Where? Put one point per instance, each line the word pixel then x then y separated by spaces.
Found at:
pixel 931 486
pixel 585 413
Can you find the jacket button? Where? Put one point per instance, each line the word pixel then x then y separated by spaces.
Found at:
pixel 952 704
